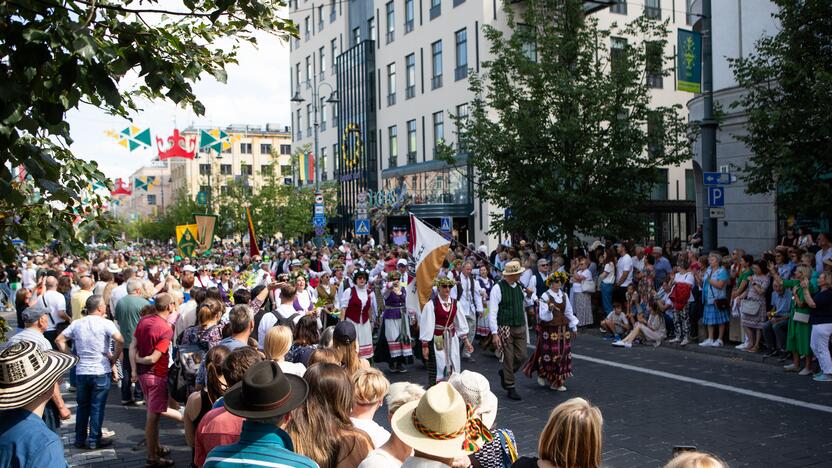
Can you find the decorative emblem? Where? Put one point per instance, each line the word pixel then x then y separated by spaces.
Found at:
pixel 178 146
pixel 351 146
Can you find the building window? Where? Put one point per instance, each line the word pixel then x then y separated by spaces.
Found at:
pixel 391 22
pixel 411 141
pixel 690 16
pixel 393 145
pixel 334 114
pixel 285 149
pixel 618 54
pixel 410 79
pixel 245 169
pixel 371 27
pixel 391 84
pixel 690 185
pixel 265 148
pixel 320 18
pixel 333 47
pixel 321 62
pixel 225 190
pixel 299 132
pixel 323 162
pixel 461 70
pixel 307 29
pixel 151 200
pixel 265 169
pixel 655 134
pixel 334 157
pixel 297 77
pixel 308 71
pixel 435 8
pixel 245 148
pixel 438 130
pixel 204 169
pixel 659 191
pixel 333 12
pixel 436 75
pixel 286 171
pixel 619 7
pixel 225 169
pixel 461 120
pixel 206 189
pixel 529 41
pixel 356 36
pixel 653 9
pixel 309 120
pixel 653 64
pixel 408 16
pixel 323 114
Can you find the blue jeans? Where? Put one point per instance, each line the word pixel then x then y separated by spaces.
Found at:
pixel 125 380
pixel 606 297
pixel 91 395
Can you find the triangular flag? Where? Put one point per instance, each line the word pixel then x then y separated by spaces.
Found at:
pixel 143 137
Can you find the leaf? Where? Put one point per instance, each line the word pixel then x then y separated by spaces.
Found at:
pixel 220 75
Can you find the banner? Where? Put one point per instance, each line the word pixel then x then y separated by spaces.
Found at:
pixel 205 224
pixel 186 239
pixel 131 137
pixel 252 240
pixel 144 182
pixel 689 61
pixel 306 167
pixel 427 252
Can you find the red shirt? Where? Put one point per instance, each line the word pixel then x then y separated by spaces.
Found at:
pixel 218 427
pixel 153 333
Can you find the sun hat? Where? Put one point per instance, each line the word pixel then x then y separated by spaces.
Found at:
pixel 513 268
pixel 435 424
pixel 26 373
pixel 113 268
pixel 265 392
pixel 344 332
pixel 476 391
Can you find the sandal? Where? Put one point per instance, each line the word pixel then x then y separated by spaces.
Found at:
pixel 161 462
pixel 163 451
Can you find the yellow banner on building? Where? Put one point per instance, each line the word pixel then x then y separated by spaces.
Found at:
pixel 187 239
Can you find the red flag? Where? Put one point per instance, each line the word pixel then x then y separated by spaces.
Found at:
pixel 252 240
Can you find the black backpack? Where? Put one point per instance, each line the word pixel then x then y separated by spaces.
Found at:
pixel 182 374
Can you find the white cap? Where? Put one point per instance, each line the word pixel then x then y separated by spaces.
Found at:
pixel 189 269
pixel 401 262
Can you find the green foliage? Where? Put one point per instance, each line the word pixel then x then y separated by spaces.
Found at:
pixel 57 54
pixel 788 79
pixel 558 129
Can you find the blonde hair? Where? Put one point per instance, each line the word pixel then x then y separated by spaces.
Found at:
pixel 695 460
pixel 370 386
pixel 401 393
pixel 572 436
pixel 804 270
pixel 277 342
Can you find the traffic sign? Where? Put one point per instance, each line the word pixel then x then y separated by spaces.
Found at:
pixel 446 223
pixel 319 198
pixel 716 196
pixel 319 221
pixel 717 178
pixel 362 227
pixel 319 209
pixel 319 231
pixel 718 212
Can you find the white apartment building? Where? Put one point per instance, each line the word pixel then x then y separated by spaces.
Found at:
pixel 398 70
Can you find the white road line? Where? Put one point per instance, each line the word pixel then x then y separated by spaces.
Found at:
pixel 707 383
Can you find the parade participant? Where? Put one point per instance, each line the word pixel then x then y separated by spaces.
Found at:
pixel 486 283
pixel 508 324
pixel 468 295
pixel 358 305
pixel 536 281
pixel 204 279
pixel 394 344
pixel 401 267
pixel 304 294
pixel 557 325
pixel 441 327
pixel 326 293
pixel 226 286
pixel 339 281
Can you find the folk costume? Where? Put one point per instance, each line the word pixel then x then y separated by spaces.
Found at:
pixel 358 304
pixel 507 319
pixel 482 321
pixel 395 341
pixel 552 358
pixel 468 295
pixel 326 298
pixel 441 326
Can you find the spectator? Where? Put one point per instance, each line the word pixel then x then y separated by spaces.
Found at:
pixel 23 299
pixel 805 240
pixel 306 339
pixel 820 318
pixel 651 329
pixel 93 337
pixel 823 257
pixel 571 438
pixel 370 389
pixel 753 306
pixel 774 330
pixel 218 426
pixel 695 460
pixel 128 313
pixel 104 279
pixel 56 303
pixel 394 452
pixel 607 279
pixel 583 286
pixel 187 313
pixel 276 345
pixel 149 357
pixel 682 297
pixel 324 355
pixel 623 272
pixel 434 426
pixel 321 426
pixel 200 403
pixel 661 267
pixel 265 398
pixel 78 300
pixel 714 285
pixel 616 322
pixel 790 239
pixel 344 341
pixel 120 291
pixel 206 334
pixel 31 376
pixel 284 314
pixel 800 330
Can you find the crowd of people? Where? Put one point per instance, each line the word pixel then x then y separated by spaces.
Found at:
pixel 273 359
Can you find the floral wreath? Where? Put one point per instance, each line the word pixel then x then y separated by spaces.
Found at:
pixel 336 266
pixel 361 272
pixel 293 276
pixel 351 162
pixel 444 281
pixel 560 276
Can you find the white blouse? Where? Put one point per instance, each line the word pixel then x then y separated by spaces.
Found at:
pixel 558 297
pixel 427 322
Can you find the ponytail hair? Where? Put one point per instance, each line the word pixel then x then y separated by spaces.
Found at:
pixel 214 381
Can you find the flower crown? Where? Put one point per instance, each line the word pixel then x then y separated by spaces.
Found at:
pixel 336 266
pixel 293 276
pixel 444 281
pixel 559 276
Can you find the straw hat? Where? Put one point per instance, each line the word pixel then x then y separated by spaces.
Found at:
pixel 435 424
pixel 26 372
pixel 476 391
pixel 113 268
pixel 513 268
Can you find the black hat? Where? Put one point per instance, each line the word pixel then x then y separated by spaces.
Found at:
pixel 265 392
pixel 344 332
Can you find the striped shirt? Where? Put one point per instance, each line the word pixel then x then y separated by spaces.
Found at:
pixel 260 445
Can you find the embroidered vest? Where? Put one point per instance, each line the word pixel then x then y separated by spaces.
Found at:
pixel 443 316
pixel 354 311
pixel 328 297
pixel 510 311
pixel 558 316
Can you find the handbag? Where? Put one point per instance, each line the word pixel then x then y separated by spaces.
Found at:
pixel 588 286
pixel 749 308
pixel 801 317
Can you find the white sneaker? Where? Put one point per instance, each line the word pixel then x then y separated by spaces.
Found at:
pixel 562 388
pixel 805 371
pixel 618 344
pixel 708 342
pixel 684 342
pixel 673 340
pixel 541 381
pixel 742 346
pixel 717 344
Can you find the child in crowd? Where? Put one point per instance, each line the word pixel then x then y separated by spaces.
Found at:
pixel 650 329
pixel 616 322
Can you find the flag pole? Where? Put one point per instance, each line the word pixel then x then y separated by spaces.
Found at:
pixel 452 240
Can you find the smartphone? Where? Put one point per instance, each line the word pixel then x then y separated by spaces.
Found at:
pixel 678 449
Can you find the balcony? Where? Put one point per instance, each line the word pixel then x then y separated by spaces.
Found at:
pixel 436 82
pixel 411 157
pixel 435 11
pixel 391 99
pixel 461 72
pixel 391 35
pixel 410 92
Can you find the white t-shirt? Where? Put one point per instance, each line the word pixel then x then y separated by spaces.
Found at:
pixel 294 368
pixel 378 434
pixel 379 458
pixel 625 266
pixel 608 269
pixel 55 302
pixel 269 320
pixel 29 278
pixel 91 336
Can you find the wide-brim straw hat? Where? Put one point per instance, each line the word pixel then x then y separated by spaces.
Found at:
pixel 26 373
pixel 476 391
pixel 513 268
pixel 435 424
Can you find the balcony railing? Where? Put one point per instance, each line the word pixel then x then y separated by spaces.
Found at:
pixel 411 157
pixel 460 72
pixel 391 99
pixel 436 82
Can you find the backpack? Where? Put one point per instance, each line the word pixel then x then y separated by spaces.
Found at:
pixel 288 322
pixel 182 374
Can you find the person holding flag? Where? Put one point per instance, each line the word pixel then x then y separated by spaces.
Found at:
pixel 441 326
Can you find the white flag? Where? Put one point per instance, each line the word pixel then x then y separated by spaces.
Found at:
pixel 427 252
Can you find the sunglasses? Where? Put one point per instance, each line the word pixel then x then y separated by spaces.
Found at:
pixel 445 286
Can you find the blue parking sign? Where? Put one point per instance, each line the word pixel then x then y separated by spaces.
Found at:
pixel 716 196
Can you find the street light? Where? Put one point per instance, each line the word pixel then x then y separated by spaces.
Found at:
pixel 316 92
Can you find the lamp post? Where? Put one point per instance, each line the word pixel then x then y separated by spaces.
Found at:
pixel 316 92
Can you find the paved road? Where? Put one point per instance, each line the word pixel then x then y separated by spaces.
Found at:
pixel 750 414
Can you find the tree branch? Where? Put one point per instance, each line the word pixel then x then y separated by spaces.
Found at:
pixel 94 4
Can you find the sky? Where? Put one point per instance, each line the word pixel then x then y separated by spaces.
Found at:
pixel 256 93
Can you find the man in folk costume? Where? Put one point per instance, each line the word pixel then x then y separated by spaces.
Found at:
pixel 441 326
pixel 556 326
pixel 358 305
pixel 507 321
pixel 538 281
pixel 394 338
pixel 469 299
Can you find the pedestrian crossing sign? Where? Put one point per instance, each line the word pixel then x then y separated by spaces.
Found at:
pixel 445 225
pixel 362 227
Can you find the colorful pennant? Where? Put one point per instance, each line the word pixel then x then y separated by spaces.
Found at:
pixel 216 140
pixel 131 137
pixel 144 183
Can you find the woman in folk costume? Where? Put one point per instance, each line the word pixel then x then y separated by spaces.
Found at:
pixel 441 326
pixel 394 338
pixel 306 296
pixel 226 286
pixel 327 293
pixel 557 325
pixel 486 283
pixel 358 305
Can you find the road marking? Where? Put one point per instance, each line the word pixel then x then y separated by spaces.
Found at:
pixel 707 383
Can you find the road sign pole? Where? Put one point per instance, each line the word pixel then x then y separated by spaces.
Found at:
pixel 708 124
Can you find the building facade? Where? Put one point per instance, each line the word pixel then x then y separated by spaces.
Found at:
pixel 151 193
pixel 399 71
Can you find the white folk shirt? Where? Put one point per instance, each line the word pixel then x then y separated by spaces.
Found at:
pixel 494 303
pixel 470 301
pixel 362 296
pixel 558 298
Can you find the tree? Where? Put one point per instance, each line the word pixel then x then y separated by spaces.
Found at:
pixel 109 54
pixel 561 131
pixel 788 101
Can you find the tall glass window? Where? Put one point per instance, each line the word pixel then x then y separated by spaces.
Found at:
pixel 461 70
pixel 436 75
